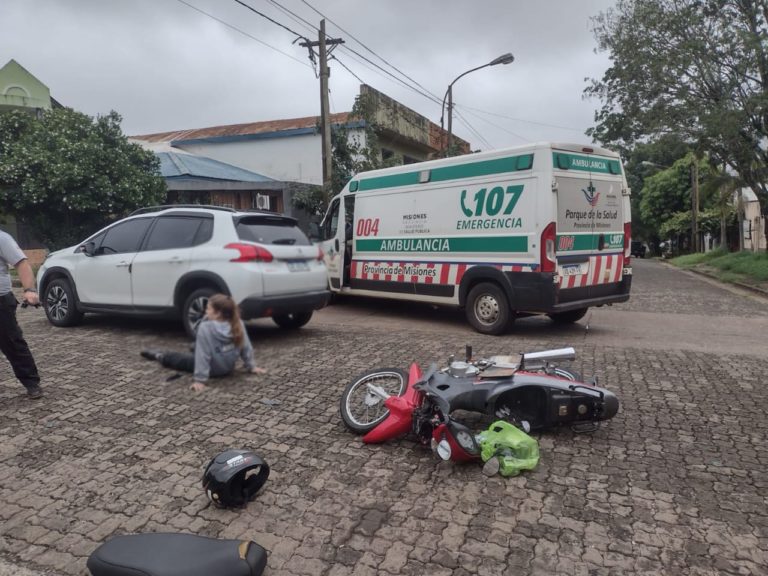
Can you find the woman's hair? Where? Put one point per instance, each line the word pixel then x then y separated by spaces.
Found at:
pixel 225 306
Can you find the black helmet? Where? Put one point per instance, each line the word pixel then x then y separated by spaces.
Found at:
pixel 225 480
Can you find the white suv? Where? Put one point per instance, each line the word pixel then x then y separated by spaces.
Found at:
pixel 167 260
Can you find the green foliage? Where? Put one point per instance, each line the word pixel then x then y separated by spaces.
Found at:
pixel 693 67
pixel 310 200
pixel 690 260
pixel 67 174
pixel 737 266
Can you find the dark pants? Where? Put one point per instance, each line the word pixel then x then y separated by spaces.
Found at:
pixel 13 345
pixel 179 361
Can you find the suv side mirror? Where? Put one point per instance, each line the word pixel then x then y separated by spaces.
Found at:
pixel 89 248
pixel 314 231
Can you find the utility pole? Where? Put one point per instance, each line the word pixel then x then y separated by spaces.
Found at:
pixel 325 123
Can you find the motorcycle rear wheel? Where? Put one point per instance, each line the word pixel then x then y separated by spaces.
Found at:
pixel 362 411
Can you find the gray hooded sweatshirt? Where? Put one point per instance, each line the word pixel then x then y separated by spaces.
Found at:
pixel 216 353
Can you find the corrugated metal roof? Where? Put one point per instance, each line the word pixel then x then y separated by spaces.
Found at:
pixel 173 165
pixel 252 128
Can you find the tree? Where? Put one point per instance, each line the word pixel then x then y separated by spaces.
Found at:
pixel 694 67
pixel 66 174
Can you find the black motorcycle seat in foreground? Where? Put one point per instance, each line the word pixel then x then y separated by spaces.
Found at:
pixel 176 555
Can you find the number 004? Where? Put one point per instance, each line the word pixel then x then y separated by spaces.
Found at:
pixel 368 227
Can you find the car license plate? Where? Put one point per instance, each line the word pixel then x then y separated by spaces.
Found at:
pixel 298 266
pixel 573 269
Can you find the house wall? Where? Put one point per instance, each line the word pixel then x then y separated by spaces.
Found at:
pixel 754 227
pixel 294 158
pixel 19 89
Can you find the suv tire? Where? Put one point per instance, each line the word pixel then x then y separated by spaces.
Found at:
pixel 60 304
pixel 193 310
pixel 569 317
pixel 292 321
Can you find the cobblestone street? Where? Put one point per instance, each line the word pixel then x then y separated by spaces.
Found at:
pixel 675 484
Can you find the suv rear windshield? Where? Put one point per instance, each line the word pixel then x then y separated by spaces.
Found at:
pixel 271 231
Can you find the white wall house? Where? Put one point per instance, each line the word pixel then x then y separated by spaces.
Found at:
pixel 291 150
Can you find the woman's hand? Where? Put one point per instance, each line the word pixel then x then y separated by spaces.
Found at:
pixel 197 386
pixel 258 370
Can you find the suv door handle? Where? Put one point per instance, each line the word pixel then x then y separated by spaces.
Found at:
pixel 123 265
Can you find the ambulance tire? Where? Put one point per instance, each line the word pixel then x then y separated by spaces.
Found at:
pixel 569 317
pixel 487 309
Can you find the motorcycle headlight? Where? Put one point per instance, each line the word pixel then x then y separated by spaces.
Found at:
pixel 444 449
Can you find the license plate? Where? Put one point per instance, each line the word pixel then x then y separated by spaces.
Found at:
pixel 573 269
pixel 298 266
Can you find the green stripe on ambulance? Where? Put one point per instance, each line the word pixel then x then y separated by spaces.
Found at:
pixel 585 163
pixel 517 244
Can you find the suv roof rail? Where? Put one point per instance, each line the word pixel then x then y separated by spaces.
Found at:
pixel 149 209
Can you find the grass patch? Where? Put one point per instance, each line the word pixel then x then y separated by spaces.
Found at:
pixel 751 267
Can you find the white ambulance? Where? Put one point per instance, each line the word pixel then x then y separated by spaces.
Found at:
pixel 539 229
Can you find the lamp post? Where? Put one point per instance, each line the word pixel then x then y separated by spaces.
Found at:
pixel 503 59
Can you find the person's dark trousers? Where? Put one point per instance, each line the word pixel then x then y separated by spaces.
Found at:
pixel 178 361
pixel 14 346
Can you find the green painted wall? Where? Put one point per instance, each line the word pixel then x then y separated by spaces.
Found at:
pixel 20 89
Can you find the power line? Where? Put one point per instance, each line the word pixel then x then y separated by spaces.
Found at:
pixel 298 36
pixel 348 70
pixel 495 125
pixel 295 17
pixel 438 99
pixel 522 120
pixel 236 29
pixel 474 130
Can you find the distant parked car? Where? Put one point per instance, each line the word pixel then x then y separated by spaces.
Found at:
pixel 637 249
pixel 168 260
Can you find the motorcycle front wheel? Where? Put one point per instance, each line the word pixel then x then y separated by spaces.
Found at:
pixel 362 410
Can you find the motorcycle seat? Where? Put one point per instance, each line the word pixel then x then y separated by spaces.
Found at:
pixel 158 554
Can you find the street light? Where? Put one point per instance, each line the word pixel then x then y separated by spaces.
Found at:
pixel 503 59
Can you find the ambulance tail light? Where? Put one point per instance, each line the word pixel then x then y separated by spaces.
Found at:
pixel 548 262
pixel 320 254
pixel 627 243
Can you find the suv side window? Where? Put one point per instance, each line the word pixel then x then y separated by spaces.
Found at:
pixel 173 232
pixel 124 237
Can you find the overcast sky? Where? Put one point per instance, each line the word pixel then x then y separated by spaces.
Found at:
pixel 164 65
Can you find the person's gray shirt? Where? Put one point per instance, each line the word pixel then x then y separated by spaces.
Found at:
pixel 216 353
pixel 10 254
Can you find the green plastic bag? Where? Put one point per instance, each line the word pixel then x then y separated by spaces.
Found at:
pixel 507 450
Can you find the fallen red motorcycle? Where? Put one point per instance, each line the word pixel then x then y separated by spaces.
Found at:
pixel 532 393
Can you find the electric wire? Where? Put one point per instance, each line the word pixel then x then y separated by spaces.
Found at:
pixel 473 130
pixel 252 9
pixel 236 29
pixel 522 120
pixel 372 52
pixel 496 125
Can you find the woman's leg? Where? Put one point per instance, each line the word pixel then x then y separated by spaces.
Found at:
pixel 178 361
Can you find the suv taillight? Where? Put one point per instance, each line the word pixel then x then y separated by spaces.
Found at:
pixel 548 262
pixel 320 254
pixel 249 253
pixel 627 243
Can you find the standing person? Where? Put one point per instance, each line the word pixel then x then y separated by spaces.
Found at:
pixel 221 340
pixel 12 341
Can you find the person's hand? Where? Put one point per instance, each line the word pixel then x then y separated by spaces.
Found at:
pixel 258 370
pixel 197 386
pixel 31 298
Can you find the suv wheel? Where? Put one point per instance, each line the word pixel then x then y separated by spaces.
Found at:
pixel 293 320
pixel 59 303
pixel 194 309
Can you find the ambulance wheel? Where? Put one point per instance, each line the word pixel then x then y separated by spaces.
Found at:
pixel 487 309
pixel 568 317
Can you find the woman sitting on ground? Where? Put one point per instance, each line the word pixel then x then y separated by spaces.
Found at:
pixel 221 340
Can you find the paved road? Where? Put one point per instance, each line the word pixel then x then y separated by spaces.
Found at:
pixel 675 484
